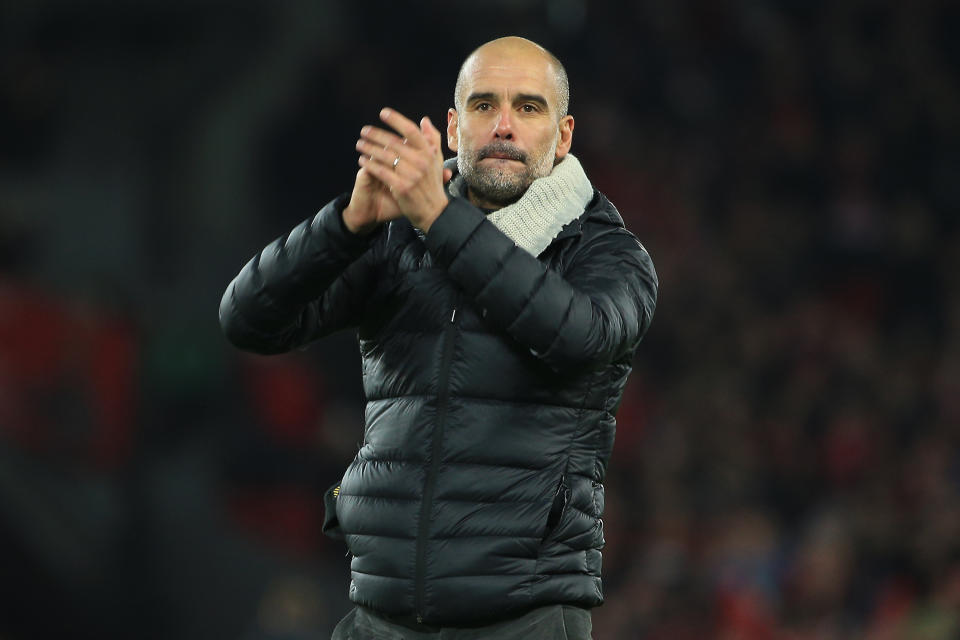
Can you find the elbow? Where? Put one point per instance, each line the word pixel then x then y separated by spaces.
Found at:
pixel 242 337
pixel 578 361
pixel 606 338
pixel 234 329
pixel 245 336
pixel 577 356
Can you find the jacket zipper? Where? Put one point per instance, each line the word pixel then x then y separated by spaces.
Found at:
pixel 431 481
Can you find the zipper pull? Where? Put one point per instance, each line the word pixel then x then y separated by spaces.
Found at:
pixel 456 303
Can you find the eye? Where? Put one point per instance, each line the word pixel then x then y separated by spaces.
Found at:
pixel 484 106
pixel 530 108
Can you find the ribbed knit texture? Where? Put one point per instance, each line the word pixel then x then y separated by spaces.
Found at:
pixel 534 220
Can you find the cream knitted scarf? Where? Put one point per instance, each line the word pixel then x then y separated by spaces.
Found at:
pixel 550 202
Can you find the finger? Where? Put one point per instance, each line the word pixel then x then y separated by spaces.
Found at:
pixel 447 175
pixel 404 126
pixel 394 157
pixel 365 179
pixel 386 147
pixel 365 175
pixel 432 134
pixel 382 138
pixel 390 178
pixel 429 131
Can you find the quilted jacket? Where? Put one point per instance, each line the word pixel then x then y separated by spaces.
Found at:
pixel 492 378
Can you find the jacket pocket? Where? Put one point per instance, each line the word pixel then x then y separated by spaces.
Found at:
pixel 560 499
pixel 331 525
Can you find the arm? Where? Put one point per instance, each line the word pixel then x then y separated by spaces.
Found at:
pixel 301 286
pixel 315 280
pixel 594 314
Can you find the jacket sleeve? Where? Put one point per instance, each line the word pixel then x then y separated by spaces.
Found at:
pixel 593 314
pixel 304 285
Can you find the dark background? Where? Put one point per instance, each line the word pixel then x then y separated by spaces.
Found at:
pixel 787 461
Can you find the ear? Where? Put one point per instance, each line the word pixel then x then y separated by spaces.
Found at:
pixel 452 140
pixel 566 136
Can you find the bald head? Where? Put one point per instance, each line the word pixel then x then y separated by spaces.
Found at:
pixel 522 51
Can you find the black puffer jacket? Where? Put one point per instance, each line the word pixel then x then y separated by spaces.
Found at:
pixel 492 379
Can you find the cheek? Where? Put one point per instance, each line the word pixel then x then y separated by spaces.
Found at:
pixel 548 142
pixel 475 132
pixel 467 142
pixel 463 137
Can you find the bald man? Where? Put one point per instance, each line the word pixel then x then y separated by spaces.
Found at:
pixel 499 302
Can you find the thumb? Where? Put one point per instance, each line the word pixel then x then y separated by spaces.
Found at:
pixel 447 175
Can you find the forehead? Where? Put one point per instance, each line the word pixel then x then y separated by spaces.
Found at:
pixel 507 72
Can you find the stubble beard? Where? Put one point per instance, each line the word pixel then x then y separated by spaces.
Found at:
pixel 495 186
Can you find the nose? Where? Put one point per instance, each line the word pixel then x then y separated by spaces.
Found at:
pixel 504 128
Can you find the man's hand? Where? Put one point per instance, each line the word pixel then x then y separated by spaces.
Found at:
pixel 408 166
pixel 370 204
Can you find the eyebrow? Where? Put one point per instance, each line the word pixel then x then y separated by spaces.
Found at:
pixel 520 97
pixel 532 97
pixel 488 95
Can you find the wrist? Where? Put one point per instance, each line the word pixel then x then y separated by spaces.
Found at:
pixel 354 226
pixel 426 221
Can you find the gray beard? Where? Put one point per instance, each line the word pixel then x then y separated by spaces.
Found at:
pixel 499 187
pixel 493 185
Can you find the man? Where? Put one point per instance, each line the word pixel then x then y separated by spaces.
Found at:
pixel 497 319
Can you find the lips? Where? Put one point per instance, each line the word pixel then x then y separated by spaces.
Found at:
pixel 502 152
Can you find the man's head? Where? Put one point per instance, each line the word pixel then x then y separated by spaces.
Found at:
pixel 509 124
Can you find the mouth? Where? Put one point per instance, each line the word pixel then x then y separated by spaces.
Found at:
pixel 502 153
pixel 500 158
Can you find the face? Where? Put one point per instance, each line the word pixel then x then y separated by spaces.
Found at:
pixel 507 131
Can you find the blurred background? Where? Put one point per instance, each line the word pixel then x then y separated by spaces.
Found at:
pixel 787 462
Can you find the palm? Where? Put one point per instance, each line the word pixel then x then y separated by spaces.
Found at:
pixel 371 203
pixel 378 199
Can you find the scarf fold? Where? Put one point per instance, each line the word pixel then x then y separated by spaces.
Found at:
pixel 533 221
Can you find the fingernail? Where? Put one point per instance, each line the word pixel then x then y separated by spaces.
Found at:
pixel 365 131
pixel 384 113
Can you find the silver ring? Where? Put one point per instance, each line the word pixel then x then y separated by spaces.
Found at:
pixel 396 161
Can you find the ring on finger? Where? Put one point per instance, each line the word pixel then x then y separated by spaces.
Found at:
pixel 396 161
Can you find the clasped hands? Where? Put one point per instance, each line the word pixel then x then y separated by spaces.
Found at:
pixel 400 175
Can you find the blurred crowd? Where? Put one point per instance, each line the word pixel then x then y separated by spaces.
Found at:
pixel 787 463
